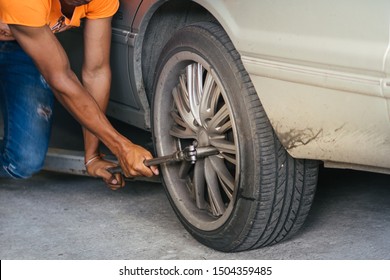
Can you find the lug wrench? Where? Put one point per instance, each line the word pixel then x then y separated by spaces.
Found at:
pixel 190 154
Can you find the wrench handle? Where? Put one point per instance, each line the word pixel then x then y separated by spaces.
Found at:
pixel 201 152
pixel 114 170
pixel 160 160
pixel 147 162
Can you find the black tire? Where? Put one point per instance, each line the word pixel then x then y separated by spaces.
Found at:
pixel 253 193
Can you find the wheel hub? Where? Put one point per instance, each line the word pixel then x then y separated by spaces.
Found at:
pixel 203 138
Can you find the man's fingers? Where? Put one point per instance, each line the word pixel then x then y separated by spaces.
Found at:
pixel 154 170
pixel 114 181
pixel 144 171
pixel 114 178
pixel 138 168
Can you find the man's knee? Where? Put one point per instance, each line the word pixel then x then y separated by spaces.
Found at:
pixel 24 167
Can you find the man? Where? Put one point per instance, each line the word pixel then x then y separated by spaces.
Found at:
pixel 33 65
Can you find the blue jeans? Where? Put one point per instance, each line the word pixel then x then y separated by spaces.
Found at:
pixel 26 104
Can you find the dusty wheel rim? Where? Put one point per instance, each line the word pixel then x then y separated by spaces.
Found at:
pixel 192 105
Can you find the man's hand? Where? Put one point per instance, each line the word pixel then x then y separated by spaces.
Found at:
pixel 5 32
pixel 132 158
pixel 98 168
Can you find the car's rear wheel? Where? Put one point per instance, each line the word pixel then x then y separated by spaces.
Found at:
pixel 252 193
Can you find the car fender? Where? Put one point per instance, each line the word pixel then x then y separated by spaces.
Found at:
pixel 321 72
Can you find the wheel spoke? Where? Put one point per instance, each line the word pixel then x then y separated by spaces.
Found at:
pixel 183 86
pixel 230 158
pixel 225 127
pixel 184 169
pixel 199 183
pixel 199 81
pixel 182 133
pixel 223 145
pixel 181 105
pixel 208 103
pixel 195 86
pixel 181 130
pixel 225 178
pixel 215 197
pixel 219 120
pixel 178 120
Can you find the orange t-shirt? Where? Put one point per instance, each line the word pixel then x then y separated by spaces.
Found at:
pixel 36 13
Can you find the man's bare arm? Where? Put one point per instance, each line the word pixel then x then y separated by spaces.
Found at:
pixel 96 72
pixel 96 78
pixel 43 47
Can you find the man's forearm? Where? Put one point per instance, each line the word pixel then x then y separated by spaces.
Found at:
pixel 98 84
pixel 85 108
pixel 96 73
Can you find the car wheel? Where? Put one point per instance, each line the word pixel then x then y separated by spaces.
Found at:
pixel 251 193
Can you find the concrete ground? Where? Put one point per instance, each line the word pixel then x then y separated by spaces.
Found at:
pixel 58 216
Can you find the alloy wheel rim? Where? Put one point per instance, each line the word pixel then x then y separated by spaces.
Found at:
pixel 200 114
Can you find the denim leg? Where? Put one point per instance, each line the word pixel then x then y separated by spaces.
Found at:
pixel 26 104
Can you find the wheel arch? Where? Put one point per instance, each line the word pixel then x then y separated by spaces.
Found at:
pixel 155 24
pixel 156 21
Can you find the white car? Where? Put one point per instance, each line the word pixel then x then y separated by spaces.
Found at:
pixel 274 87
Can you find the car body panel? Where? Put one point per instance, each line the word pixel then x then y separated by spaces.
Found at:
pixel 321 70
pixel 128 103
